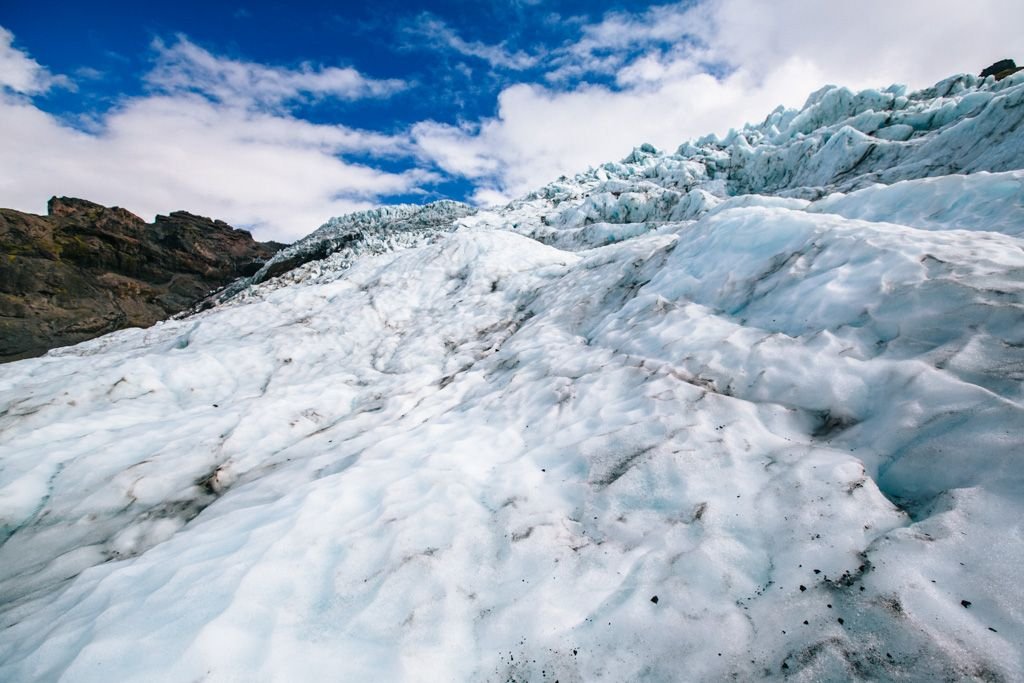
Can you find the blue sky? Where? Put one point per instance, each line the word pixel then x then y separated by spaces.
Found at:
pixel 110 43
pixel 276 116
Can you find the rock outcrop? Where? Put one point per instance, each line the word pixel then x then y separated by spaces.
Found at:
pixel 1001 69
pixel 85 270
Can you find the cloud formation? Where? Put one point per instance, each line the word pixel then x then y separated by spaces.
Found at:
pixel 20 73
pixel 213 138
pixel 435 32
pixel 877 41
pixel 184 67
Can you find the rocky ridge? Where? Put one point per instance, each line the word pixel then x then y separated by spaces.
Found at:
pixel 84 270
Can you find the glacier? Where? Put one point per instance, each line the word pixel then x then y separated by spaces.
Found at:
pixel 749 409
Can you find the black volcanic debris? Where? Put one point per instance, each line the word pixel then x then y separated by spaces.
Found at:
pixel 1001 69
pixel 85 270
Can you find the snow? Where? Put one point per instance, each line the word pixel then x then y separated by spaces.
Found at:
pixel 777 390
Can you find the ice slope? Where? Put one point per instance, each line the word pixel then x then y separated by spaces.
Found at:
pixel 756 437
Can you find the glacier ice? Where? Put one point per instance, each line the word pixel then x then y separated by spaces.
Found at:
pixel 340 241
pixel 749 409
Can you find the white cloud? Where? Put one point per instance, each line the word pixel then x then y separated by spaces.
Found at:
pixel 221 157
pixel 487 196
pixel 457 150
pixel 879 41
pixel 439 34
pixel 186 67
pixel 623 30
pixel 22 74
pixel 917 42
pixel 684 70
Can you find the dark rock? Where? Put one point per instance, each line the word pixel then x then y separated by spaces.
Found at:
pixel 1001 69
pixel 1001 65
pixel 85 270
pixel 654 599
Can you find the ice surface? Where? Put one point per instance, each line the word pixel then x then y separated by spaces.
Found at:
pixel 778 392
pixel 993 202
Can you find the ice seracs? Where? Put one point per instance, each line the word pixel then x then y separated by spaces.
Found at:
pixel 774 380
pixel 336 244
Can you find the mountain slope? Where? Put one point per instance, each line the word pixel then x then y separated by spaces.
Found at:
pixel 643 424
pixel 85 270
